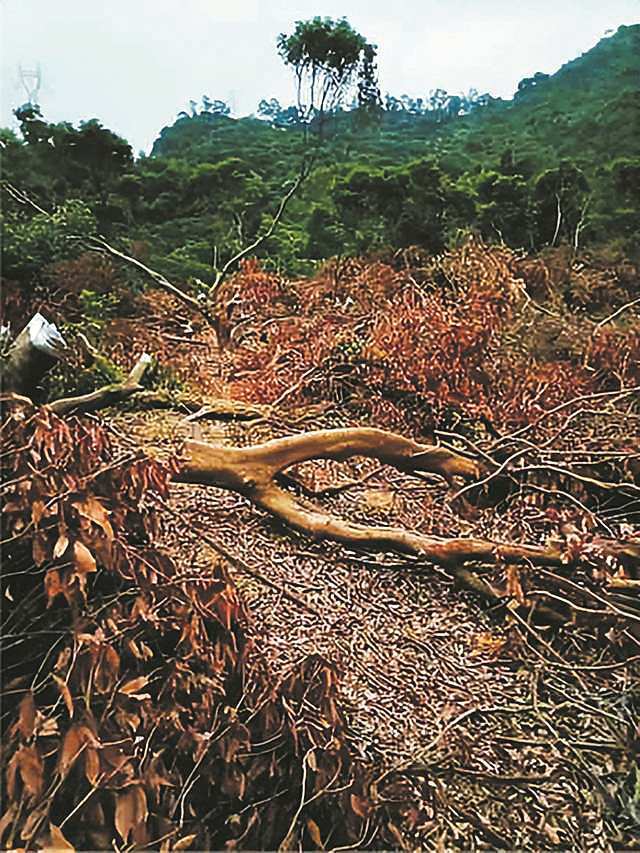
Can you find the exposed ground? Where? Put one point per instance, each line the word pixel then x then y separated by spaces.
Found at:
pixel 508 742
pixel 479 724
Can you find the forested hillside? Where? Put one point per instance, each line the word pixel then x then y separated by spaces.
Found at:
pixel 321 498
pixel 557 164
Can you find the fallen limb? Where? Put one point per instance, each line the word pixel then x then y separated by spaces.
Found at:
pixel 196 409
pixel 251 471
pixel 107 395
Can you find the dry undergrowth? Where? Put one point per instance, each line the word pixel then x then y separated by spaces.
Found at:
pixel 504 740
pixel 321 697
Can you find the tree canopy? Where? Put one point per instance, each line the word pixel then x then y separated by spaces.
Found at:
pixel 328 57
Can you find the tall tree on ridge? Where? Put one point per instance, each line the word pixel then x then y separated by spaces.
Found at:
pixel 328 57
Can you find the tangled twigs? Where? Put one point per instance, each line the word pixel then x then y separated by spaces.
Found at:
pixel 612 396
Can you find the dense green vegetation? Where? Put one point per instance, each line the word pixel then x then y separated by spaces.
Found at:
pixel 558 164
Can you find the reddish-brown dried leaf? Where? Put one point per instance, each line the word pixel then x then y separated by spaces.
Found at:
pixel 233 781
pixel 132 647
pixel 8 818
pixel 133 686
pixel 34 821
pixel 37 509
pixel 360 807
pixel 92 765
pixel 54 585
pixel 131 810
pixel 61 545
pixel 107 669
pixel 314 832
pixel 113 756
pixel 83 559
pixel 184 843
pixel 156 776
pixel 15 506
pixel 12 776
pixel 31 769
pixel 73 742
pixel 237 738
pixel 40 549
pixel 54 841
pixel 27 717
pixel 145 651
pixel 47 727
pixel 92 509
pixel 140 608
pixel 63 659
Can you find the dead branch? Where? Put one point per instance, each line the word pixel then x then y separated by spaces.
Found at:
pixel 222 273
pixel 252 472
pixel 600 395
pixel 22 198
pixel 100 244
pixel 107 395
pixel 615 314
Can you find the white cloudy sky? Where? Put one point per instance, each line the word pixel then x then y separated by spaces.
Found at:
pixel 134 64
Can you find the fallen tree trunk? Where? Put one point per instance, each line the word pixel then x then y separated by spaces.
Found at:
pixel 256 472
pixel 252 472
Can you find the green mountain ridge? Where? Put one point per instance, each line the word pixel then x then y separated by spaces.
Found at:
pixel 580 121
pixel 559 163
pixel 586 94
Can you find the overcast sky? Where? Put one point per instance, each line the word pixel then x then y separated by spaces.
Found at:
pixel 134 64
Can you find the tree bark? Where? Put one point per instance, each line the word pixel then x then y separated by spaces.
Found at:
pixel 36 349
pixel 107 395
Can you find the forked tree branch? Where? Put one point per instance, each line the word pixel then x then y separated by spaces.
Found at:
pixel 251 472
pixel 223 273
pixel 100 244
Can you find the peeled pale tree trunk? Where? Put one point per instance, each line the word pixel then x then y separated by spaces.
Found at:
pixel 253 472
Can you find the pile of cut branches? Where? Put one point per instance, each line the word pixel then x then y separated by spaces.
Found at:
pixel 458 344
pixel 134 710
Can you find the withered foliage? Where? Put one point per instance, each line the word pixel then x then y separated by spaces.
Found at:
pixel 134 710
pixel 418 344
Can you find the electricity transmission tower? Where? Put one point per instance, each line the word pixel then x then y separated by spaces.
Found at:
pixel 31 79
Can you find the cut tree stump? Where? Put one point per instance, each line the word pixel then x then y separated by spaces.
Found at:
pixel 36 349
